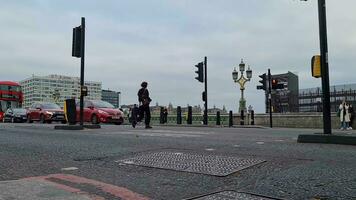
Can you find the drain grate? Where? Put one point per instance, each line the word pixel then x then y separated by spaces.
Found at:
pixel 231 195
pixel 188 162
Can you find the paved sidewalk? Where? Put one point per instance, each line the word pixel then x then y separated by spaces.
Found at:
pixel 63 187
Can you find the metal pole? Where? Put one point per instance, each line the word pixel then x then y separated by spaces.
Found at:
pixel 206 91
pixel 270 97
pixel 324 66
pixel 82 42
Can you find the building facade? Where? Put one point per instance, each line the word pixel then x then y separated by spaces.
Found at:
pixel 310 99
pixel 286 99
pixel 112 97
pixel 56 89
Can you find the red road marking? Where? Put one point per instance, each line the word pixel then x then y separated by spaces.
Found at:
pixel 116 191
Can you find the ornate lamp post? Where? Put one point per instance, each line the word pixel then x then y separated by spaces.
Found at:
pixel 242 81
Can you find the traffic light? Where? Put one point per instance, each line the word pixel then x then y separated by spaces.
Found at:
pixel 263 81
pixel 276 85
pixel 200 72
pixel 76 45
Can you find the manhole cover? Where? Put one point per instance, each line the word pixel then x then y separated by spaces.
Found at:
pixel 231 195
pixel 189 162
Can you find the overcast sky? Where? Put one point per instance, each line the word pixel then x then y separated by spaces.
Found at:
pixel 160 41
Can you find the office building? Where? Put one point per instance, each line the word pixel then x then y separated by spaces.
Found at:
pixel 56 88
pixel 112 97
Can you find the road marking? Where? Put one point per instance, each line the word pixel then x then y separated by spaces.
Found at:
pixel 237 145
pixel 69 168
pixel 260 142
pixel 210 149
pixel 279 140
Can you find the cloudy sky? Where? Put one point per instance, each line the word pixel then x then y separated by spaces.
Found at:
pixel 160 41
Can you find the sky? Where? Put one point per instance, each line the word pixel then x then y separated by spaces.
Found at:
pixel 160 41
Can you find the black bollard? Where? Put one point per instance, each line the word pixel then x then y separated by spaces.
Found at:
pixel 189 119
pixel 242 119
pixel 218 118
pixel 252 117
pixel 230 119
pixel 179 115
pixel 161 121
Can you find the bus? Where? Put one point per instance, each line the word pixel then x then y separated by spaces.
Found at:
pixel 10 96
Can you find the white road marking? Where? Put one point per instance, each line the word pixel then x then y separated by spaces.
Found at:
pixel 210 149
pixel 279 140
pixel 260 142
pixel 237 145
pixel 69 169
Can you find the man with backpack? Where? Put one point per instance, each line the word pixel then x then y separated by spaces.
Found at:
pixel 144 101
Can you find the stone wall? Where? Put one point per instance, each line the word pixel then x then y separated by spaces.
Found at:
pixel 294 120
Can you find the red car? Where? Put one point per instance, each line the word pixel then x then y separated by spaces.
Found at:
pixel 97 111
pixel 45 112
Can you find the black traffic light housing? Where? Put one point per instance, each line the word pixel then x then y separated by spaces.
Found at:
pixel 200 72
pixel 263 81
pixel 276 85
pixel 76 45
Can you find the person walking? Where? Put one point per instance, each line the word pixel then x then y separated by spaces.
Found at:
pixel 344 115
pixel 351 113
pixel 144 101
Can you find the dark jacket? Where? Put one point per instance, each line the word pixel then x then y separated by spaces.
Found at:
pixel 144 96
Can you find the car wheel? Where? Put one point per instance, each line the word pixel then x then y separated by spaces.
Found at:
pixel 29 119
pixel 94 119
pixel 64 122
pixel 42 119
pixel 121 120
pixel 49 122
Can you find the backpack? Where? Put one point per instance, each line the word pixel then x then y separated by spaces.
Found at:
pixel 338 112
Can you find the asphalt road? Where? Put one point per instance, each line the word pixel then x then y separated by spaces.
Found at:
pixel 289 170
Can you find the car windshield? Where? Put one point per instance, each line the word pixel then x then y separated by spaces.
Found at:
pixel 19 111
pixel 50 106
pixel 102 104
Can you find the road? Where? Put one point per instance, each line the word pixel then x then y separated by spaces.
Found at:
pixel 119 162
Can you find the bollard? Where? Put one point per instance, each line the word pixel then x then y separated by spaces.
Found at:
pixel 161 121
pixel 230 119
pixel 218 118
pixel 179 115
pixel 70 111
pixel 252 117
pixel 242 119
pixel 189 118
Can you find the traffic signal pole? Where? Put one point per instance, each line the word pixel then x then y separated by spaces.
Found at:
pixel 82 45
pixel 325 83
pixel 206 90
pixel 270 97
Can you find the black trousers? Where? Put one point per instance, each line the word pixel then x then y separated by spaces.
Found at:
pixel 144 111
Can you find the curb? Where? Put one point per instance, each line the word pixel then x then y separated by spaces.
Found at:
pixel 327 139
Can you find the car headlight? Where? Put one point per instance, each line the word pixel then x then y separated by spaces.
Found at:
pixel 49 113
pixel 103 112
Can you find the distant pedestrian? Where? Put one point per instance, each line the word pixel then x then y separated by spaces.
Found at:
pixel 165 115
pixel 351 113
pixel 144 101
pixel 344 115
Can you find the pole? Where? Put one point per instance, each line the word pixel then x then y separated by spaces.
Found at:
pixel 206 91
pixel 270 97
pixel 82 46
pixel 325 84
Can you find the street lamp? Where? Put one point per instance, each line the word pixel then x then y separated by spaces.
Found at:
pixel 242 81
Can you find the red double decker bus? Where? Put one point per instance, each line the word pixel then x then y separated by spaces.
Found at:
pixel 10 96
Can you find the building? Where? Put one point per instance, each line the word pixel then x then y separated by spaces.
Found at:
pixel 56 88
pixel 286 99
pixel 310 99
pixel 112 97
